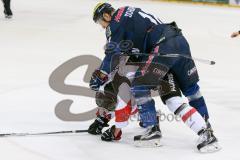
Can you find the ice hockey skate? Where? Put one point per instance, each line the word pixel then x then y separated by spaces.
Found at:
pixel 207 142
pixel 151 138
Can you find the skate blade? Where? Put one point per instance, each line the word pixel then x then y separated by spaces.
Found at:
pixel 148 143
pixel 214 147
pixel 8 16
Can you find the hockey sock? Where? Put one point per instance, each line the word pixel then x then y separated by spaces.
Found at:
pixel 196 100
pixel 200 106
pixel 189 115
pixel 148 113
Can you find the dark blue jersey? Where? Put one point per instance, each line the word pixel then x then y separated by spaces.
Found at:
pixel 134 25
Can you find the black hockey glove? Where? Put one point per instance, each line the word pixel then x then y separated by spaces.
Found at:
pixel 96 127
pixel 108 135
pixel 98 78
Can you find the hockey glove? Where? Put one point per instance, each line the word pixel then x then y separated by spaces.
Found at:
pixel 96 127
pixel 108 135
pixel 98 78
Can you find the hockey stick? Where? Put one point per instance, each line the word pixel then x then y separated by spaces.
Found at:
pixel 205 61
pixel 41 133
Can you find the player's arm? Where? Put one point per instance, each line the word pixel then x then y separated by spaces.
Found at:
pixel 110 61
pixel 235 34
pixel 100 76
pixel 112 51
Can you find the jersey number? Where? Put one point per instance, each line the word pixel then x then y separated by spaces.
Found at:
pixel 151 18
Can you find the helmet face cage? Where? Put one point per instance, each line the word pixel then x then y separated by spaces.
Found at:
pixel 100 9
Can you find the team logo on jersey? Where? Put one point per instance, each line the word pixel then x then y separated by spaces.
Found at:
pixel 159 72
pixel 192 71
pixel 171 82
pixel 119 14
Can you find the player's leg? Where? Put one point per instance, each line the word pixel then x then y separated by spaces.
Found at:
pixel 207 141
pixel 183 69
pixel 187 77
pixel 124 108
pixel 146 78
pixel 123 111
pixel 172 97
pixel 186 74
pixel 174 101
pixel 196 99
pixel 147 112
pixel 7 8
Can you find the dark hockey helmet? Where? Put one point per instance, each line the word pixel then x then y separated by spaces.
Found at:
pixel 100 9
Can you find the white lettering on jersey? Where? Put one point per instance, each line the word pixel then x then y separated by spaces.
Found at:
pixel 129 12
pixel 152 19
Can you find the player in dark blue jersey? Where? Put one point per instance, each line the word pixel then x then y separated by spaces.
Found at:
pixel 7 8
pixel 154 42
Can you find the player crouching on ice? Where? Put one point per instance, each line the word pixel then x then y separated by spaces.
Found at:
pixel 149 35
pixel 113 100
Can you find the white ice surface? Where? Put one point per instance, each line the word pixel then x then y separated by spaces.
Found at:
pixel 45 33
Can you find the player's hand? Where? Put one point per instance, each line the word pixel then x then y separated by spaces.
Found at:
pixel 98 78
pixel 235 34
pixel 96 127
pixel 112 134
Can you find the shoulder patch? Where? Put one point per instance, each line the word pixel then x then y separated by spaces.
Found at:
pixel 119 14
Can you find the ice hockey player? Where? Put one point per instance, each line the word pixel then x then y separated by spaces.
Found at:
pixel 114 100
pixel 150 35
pixel 7 8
